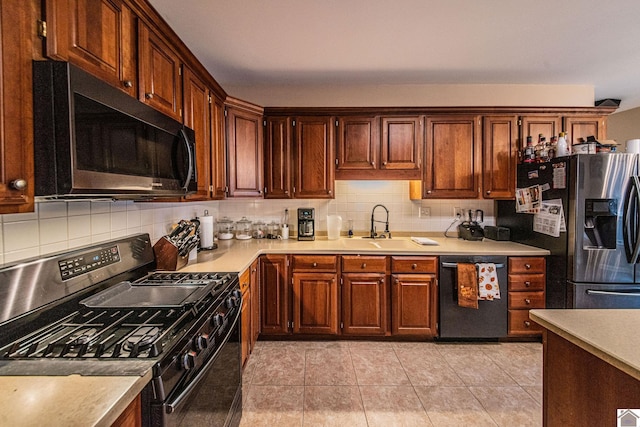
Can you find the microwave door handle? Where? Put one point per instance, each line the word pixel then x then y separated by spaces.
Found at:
pixel 631 231
pixel 191 165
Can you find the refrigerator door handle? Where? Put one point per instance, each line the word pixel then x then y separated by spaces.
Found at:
pixel 630 230
pixel 626 294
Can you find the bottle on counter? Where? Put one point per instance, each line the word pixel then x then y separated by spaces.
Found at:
pixel 562 147
pixel 553 146
pixel 529 151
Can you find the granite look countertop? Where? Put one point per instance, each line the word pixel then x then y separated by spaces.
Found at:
pixel 609 334
pixel 236 255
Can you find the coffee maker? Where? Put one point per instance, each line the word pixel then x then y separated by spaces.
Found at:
pixel 306 224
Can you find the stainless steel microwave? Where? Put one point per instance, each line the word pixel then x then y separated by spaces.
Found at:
pixel 92 140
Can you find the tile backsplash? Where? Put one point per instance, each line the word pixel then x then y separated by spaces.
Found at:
pixel 58 226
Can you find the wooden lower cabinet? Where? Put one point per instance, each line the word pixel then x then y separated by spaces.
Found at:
pixel 315 303
pixel 131 416
pixel 255 303
pixel 527 282
pixel 245 316
pixel 274 294
pixel 414 295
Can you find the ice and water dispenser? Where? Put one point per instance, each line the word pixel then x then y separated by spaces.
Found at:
pixel 600 219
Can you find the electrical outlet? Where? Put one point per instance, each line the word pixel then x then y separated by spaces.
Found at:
pixel 425 212
pixel 458 213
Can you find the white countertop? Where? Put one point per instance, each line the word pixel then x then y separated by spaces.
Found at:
pixel 237 255
pixel 611 335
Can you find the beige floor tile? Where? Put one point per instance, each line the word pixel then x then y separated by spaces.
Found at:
pixel 476 368
pixel 427 368
pixel 333 406
pixel 453 406
pixel 509 406
pixel 280 406
pixel 370 345
pixel 279 366
pixel 393 406
pixel 378 367
pixel 535 392
pixel 522 363
pixel 329 367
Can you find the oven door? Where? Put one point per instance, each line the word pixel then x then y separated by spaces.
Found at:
pixel 214 396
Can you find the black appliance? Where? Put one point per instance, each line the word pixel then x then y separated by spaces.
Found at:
pixel 93 140
pixel 100 311
pixel 592 263
pixel 489 321
pixel 306 224
pixel 471 228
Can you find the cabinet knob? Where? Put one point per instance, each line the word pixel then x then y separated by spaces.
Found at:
pixel 373 164
pixel 384 163
pixel 527 323
pixel 527 283
pixel 18 184
pixel 428 191
pixel 286 191
pixel 396 281
pixel 127 84
pixel 527 301
pixel 414 266
pixel 488 192
pixel 148 95
pixel 315 264
pixel 330 192
pixel 364 265
pixel 527 266
pixel 381 280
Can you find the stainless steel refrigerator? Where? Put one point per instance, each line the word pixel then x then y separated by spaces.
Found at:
pixel 594 263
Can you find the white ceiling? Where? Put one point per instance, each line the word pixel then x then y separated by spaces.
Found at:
pixel 282 42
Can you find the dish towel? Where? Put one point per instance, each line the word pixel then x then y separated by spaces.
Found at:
pixel 488 288
pixel 467 285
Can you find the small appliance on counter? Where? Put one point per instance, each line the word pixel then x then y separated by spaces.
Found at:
pixel 471 229
pixel 306 224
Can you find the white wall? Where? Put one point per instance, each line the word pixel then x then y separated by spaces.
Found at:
pixel 624 126
pixel 59 226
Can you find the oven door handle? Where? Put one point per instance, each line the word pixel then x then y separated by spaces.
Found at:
pixel 173 405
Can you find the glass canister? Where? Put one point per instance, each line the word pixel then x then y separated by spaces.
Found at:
pixel 273 230
pixel 243 229
pixel 225 228
pixel 259 230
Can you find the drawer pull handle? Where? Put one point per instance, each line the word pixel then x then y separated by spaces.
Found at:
pixel 527 323
pixel 527 301
pixel 315 264
pixel 527 283
pixel 414 266
pixel 527 266
pixel 364 265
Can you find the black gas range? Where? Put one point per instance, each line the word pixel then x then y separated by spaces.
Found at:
pixel 102 310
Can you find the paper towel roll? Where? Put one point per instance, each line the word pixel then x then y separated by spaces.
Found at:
pixel 206 231
pixel 633 146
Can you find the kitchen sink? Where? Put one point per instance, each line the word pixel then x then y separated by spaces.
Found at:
pixel 379 244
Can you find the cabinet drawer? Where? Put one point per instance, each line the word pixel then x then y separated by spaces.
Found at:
pixel 244 281
pixel 315 262
pixel 526 300
pixel 520 324
pixel 526 265
pixel 527 282
pixel 414 264
pixel 356 264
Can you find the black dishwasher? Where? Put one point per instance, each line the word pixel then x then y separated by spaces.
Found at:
pixel 489 320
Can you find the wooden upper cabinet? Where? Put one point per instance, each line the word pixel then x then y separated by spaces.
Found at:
pixel 277 158
pixel 97 36
pixel 534 125
pixel 160 70
pixel 499 157
pixel 452 157
pixel 582 127
pixel 219 185
pixel 245 160
pixel 197 117
pixel 313 157
pixel 358 141
pixel 17 26
pixel 402 141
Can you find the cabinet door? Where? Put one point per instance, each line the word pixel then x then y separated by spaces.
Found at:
pixel 160 68
pixel 364 304
pixel 245 326
pixel 255 303
pixel 499 157
pixel 274 294
pixel 97 36
pixel 547 125
pixel 16 107
pixel 315 303
pixel 197 117
pixel 582 127
pixel 452 159
pixel 402 142
pixel 244 143
pixel 358 142
pixel 218 150
pixel 414 304
pixel 313 157
pixel 277 156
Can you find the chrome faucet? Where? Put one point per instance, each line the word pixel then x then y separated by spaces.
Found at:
pixel 386 233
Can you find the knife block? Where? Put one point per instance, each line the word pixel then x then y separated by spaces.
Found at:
pixel 167 257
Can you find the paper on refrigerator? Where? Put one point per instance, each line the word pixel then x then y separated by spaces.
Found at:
pixel 528 199
pixel 550 219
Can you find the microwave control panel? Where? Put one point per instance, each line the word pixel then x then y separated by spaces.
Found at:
pixel 84 263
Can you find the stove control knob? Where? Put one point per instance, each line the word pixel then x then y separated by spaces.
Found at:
pixel 236 293
pixel 217 319
pixel 233 302
pixel 188 360
pixel 201 342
